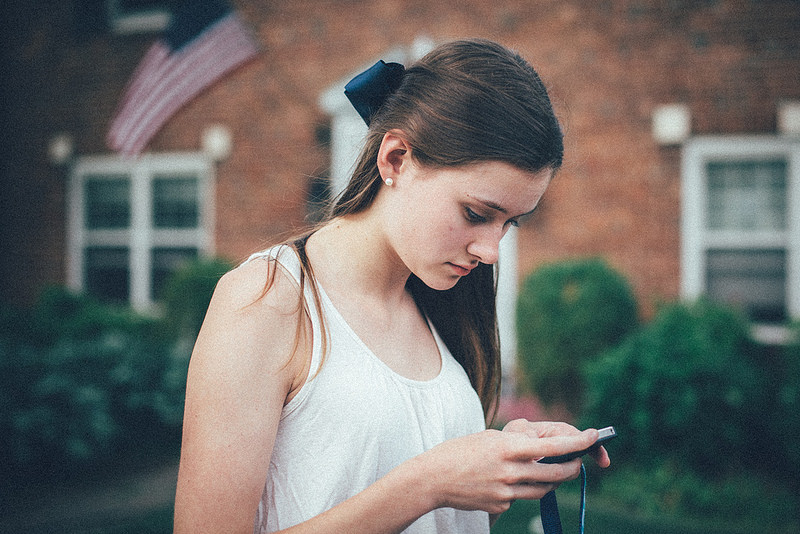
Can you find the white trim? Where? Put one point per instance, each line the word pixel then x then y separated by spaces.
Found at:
pixel 507 292
pixel 789 117
pixel 695 239
pixel 142 21
pixel 141 237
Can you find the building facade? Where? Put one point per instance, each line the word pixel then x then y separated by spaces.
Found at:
pixel 682 164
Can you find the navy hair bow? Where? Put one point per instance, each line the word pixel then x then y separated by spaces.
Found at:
pixel 369 90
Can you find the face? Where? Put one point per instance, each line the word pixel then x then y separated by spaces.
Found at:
pixel 444 221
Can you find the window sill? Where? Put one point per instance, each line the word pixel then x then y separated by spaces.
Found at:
pixel 773 334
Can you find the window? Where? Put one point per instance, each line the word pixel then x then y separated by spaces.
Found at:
pixel 133 223
pixel 134 16
pixel 741 224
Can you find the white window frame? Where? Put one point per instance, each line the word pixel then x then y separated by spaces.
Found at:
pixel 696 238
pixel 141 237
pixel 142 21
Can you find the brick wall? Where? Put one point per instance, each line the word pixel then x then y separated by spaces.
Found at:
pixel 608 63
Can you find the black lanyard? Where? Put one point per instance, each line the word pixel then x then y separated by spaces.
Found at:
pixel 551 521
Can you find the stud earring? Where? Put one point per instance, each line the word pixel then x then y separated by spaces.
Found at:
pixel 389 182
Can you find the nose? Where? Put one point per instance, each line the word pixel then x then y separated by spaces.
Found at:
pixel 486 247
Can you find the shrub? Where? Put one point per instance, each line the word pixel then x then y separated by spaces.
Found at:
pixel 669 490
pixel 567 314
pixel 187 294
pixel 784 379
pixel 80 381
pixel 686 388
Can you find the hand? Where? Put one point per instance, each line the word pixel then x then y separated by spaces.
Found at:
pixel 547 428
pixel 491 469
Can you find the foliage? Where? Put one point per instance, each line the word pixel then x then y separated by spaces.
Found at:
pixel 80 379
pixel 665 499
pixel 686 388
pixel 567 314
pixel 83 382
pixel 188 292
pixel 668 489
pixel 784 379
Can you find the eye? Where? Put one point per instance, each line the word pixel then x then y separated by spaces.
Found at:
pixel 517 221
pixel 474 217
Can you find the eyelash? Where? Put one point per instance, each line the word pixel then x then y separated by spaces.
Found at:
pixel 479 219
pixel 474 217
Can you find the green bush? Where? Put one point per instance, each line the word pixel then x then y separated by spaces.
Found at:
pixel 84 383
pixel 687 389
pixel 81 381
pixel 567 314
pixel 188 293
pixel 670 490
pixel 784 379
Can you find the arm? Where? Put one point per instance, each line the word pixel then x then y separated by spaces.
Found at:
pixel 484 471
pixel 237 384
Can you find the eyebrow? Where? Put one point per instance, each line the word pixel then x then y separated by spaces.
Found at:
pixel 496 207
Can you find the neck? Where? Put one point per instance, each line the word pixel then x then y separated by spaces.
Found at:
pixel 350 254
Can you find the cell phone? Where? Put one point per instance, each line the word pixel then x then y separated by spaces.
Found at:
pixel 606 434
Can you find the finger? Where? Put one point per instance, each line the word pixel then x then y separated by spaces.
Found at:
pixel 533 491
pixel 530 472
pixel 517 425
pixel 524 447
pixel 601 457
pixel 547 429
pixel 540 429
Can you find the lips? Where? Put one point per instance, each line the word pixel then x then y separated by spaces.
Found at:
pixel 461 271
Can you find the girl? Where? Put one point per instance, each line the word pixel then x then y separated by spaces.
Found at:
pixel 341 382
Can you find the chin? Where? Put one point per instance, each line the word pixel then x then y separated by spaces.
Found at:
pixel 441 284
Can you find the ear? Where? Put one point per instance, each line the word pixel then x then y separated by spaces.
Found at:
pixel 394 155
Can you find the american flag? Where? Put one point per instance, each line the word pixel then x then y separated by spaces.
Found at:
pixel 205 40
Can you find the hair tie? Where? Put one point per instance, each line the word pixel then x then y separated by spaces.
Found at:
pixel 370 89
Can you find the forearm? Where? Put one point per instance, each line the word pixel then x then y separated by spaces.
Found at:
pixel 388 506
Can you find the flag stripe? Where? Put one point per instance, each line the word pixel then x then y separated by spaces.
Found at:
pixel 155 56
pixel 169 70
pixel 193 62
pixel 184 78
pixel 165 81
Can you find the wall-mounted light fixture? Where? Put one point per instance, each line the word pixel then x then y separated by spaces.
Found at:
pixel 60 148
pixel 217 142
pixel 672 124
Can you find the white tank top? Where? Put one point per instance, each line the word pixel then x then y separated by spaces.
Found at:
pixel 355 421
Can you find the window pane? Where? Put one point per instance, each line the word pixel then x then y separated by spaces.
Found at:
pixel 108 273
pixel 753 280
pixel 165 262
pixel 107 201
pixel 747 195
pixel 175 202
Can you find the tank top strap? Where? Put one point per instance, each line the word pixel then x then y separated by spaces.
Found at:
pixel 286 257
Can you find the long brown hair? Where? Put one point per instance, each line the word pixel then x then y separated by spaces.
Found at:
pixel 465 102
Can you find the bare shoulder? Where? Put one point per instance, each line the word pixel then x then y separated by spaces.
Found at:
pixel 258 286
pixel 251 322
pixel 240 376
